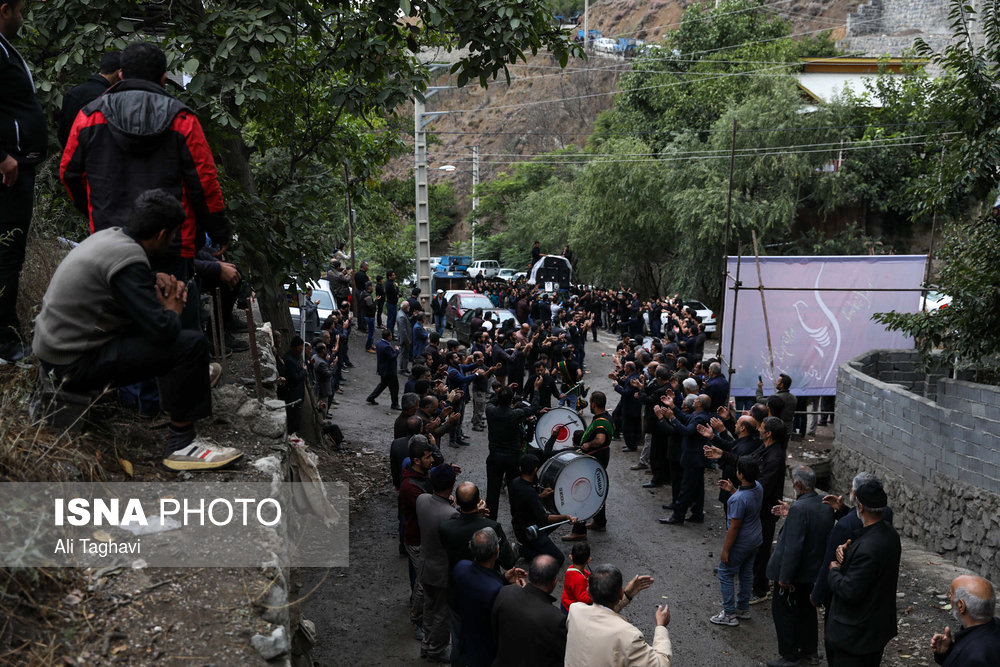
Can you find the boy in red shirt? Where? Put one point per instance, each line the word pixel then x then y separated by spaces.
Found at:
pixel 577 574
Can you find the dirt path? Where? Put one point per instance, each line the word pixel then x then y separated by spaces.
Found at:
pixel 361 612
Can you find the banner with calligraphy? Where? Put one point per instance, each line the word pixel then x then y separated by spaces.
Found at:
pixel 822 317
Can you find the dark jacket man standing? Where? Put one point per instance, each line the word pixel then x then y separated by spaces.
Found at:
pixel 528 628
pixel 80 96
pixel 797 558
pixel 23 143
pixel 863 582
pixel 504 433
pixel 386 354
pixel 977 643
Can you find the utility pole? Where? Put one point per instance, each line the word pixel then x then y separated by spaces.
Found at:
pixel 421 118
pixel 475 195
pixel 586 33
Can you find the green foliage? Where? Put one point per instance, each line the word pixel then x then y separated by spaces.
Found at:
pixel 442 203
pixel 967 101
pixel 968 330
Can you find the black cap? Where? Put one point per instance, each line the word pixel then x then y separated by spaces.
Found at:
pixel 871 494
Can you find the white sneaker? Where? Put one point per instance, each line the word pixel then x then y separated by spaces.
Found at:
pixel 722 619
pixel 743 614
pixel 202 454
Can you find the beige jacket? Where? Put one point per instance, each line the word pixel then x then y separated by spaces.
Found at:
pixel 598 637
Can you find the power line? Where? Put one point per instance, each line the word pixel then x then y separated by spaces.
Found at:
pixel 741 130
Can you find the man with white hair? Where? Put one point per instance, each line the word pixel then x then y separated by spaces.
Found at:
pixel 977 643
pixel 797 558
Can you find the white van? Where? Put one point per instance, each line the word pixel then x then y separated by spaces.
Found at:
pixel 605 45
pixel 484 268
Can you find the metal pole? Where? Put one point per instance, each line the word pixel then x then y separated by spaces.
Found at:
pixel 763 305
pixel 725 246
pixel 586 33
pixel 475 196
pixel 421 211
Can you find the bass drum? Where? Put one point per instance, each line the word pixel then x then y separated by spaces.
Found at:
pixel 561 422
pixel 578 482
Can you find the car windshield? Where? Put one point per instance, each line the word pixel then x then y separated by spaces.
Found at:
pixel 476 301
pixel 697 305
pixel 324 298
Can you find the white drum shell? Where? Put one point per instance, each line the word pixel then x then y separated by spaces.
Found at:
pixel 578 482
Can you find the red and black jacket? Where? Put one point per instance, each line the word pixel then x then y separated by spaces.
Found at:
pixel 134 138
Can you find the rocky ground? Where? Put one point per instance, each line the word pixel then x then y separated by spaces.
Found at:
pixel 360 611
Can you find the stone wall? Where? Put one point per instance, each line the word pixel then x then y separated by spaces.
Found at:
pixel 935 443
pixel 889 27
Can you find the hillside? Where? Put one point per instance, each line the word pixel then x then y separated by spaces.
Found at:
pixel 546 108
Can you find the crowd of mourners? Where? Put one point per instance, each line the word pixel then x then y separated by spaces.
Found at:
pixel 123 307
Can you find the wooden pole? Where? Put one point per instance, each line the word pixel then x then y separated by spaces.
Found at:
pixel 252 335
pixel 763 304
pixel 220 328
pixel 725 252
pixel 737 285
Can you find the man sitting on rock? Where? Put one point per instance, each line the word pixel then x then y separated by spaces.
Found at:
pixel 107 320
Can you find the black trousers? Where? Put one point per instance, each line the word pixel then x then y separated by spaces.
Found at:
pixel 659 460
pixel 767 524
pixel 631 430
pixel 838 658
pixel 390 382
pixel 500 470
pixel 676 471
pixel 293 418
pixel 603 457
pixel 692 493
pixel 794 620
pixel 181 370
pixel 16 204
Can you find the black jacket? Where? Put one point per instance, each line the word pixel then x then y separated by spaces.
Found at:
pixel 504 424
pixel 798 555
pixel 22 122
pixel 862 614
pixel 978 646
pixel 528 628
pixel 295 377
pixel 76 98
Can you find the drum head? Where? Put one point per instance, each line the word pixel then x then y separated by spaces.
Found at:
pixel 561 421
pixel 579 484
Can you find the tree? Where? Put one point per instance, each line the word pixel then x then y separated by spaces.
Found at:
pixel 314 79
pixel 966 102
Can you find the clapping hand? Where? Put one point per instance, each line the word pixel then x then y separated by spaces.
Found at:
pixel 711 452
pixel 639 582
pixel 836 502
pixel 723 412
pixel 516 575
pixel 781 509
pixel 941 642
pixel 726 485
pixel 841 550
pixel 705 431
pixel 717 425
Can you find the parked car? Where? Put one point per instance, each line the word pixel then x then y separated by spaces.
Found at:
pixel 706 314
pixel 462 302
pixel 934 301
pixel 463 325
pixel 510 275
pixel 321 292
pixel 605 45
pixel 520 275
pixel 484 268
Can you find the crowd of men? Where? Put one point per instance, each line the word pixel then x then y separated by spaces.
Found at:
pixel 123 307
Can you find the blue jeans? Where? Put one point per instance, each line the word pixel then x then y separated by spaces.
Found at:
pixel 390 315
pixel 370 325
pixel 740 566
pixel 439 321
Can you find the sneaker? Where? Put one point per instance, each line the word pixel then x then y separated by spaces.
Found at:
pixel 202 454
pixel 781 661
pixel 723 619
pixel 743 614
pixel 757 599
pixel 812 659
pixel 372 401
pixel 638 466
pixel 214 373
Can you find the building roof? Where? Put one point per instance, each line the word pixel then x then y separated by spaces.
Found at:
pixel 823 79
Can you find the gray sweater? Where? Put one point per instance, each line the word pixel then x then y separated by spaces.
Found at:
pixel 80 311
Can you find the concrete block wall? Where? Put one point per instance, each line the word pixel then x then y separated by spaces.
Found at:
pixel 889 27
pixel 935 442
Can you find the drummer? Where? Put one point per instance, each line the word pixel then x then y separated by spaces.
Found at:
pixel 596 442
pixel 527 509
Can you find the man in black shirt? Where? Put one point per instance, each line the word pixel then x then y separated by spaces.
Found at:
pixel 391 299
pixel 527 509
pixel 504 425
pixel 80 96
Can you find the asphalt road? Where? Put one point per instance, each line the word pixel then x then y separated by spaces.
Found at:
pixel 361 614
